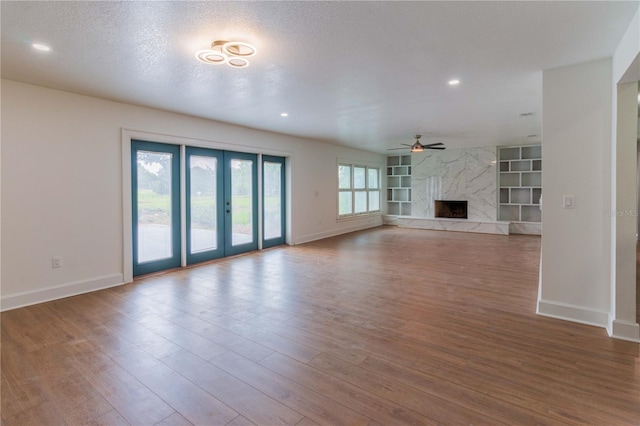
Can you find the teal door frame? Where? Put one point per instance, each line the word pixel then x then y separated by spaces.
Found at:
pixel 229 248
pixel 224 205
pixel 174 260
pixel 219 205
pixel 266 243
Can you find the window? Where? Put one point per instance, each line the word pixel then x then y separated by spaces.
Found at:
pixel 358 189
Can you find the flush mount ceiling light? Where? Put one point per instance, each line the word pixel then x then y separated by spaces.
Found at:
pixel 41 47
pixel 232 53
pixel 454 82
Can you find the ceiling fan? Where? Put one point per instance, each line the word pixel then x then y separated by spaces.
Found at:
pixel 418 147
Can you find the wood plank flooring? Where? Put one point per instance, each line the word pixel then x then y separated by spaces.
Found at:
pixel 379 327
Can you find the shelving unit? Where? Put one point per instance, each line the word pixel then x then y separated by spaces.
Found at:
pixel 399 185
pixel 520 184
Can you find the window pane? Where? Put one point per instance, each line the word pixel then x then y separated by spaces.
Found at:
pixel 344 176
pixel 241 202
pixel 373 179
pixel 359 174
pixel 272 200
pixel 374 201
pixel 361 201
pixel 344 202
pixel 202 201
pixel 154 206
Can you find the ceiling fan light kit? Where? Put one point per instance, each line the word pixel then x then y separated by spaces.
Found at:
pixel 418 147
pixel 232 53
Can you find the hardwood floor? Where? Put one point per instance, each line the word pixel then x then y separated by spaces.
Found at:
pixel 385 326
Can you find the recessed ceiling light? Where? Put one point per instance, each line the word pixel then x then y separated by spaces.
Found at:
pixel 284 114
pixel 454 82
pixel 41 47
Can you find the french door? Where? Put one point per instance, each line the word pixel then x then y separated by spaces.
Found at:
pixel 273 201
pixel 205 210
pixel 221 204
pixel 155 180
pixel 221 201
pixel 240 202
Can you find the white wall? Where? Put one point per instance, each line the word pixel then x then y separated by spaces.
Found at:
pixel 576 134
pixel 626 73
pixel 62 186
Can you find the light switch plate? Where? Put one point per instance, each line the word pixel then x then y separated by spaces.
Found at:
pixel 568 202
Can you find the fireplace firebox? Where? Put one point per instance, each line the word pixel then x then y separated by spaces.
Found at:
pixel 451 209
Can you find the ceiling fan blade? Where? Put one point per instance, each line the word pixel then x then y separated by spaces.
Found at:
pixel 406 145
pixel 434 147
pixel 434 144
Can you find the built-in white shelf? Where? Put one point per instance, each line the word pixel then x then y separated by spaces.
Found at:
pixel 520 183
pixel 399 185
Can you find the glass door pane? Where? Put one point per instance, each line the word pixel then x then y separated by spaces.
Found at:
pixel 155 192
pixel 154 206
pixel 273 196
pixel 204 205
pixel 202 199
pixel 240 202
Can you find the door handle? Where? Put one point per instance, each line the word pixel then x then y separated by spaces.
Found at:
pixel 228 211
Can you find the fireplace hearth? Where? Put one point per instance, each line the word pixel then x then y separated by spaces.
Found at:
pixel 451 209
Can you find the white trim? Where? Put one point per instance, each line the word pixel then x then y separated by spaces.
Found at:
pixel 127 208
pixel 328 234
pixel 289 182
pixel 18 300
pixel 574 313
pixel 259 197
pixel 623 330
pixel 183 205
pixel 202 143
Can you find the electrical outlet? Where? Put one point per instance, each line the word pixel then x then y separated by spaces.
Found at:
pixel 56 262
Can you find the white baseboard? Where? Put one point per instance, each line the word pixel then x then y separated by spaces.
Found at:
pixel 18 300
pixel 574 313
pixel 328 234
pixel 624 330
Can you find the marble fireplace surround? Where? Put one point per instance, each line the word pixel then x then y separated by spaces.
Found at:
pixel 455 174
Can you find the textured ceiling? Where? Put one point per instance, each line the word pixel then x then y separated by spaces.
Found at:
pixel 363 74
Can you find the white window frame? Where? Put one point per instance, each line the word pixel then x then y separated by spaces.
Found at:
pixel 352 190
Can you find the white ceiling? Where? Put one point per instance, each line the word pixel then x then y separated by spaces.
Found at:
pixel 363 74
